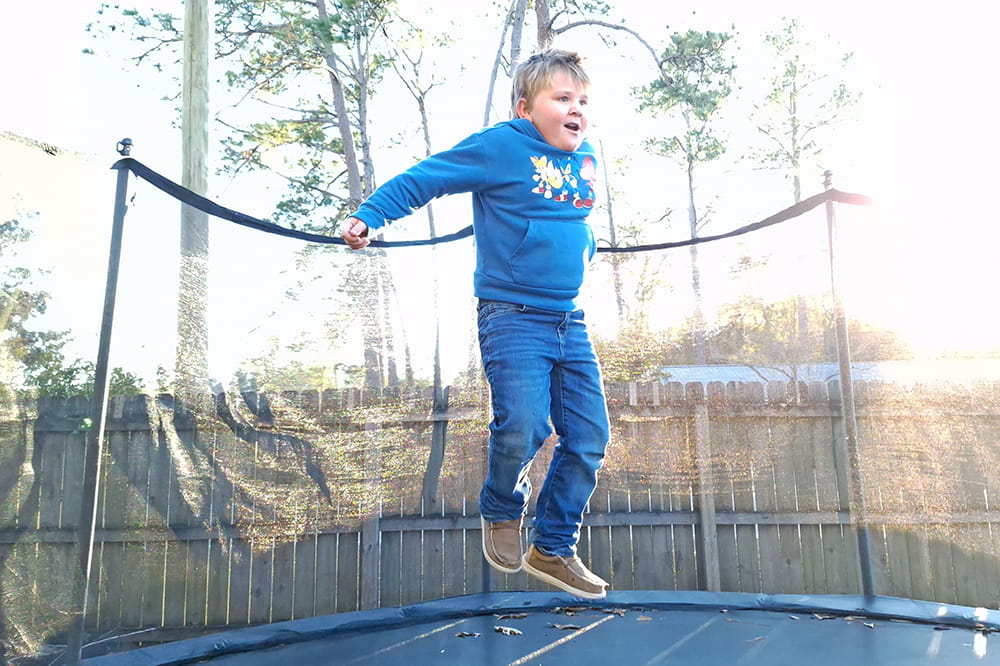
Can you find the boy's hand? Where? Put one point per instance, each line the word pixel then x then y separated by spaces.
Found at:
pixel 355 233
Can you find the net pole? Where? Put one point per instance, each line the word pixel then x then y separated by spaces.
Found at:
pixel 94 435
pixel 859 510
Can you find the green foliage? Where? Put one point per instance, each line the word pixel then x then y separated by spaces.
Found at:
pixel 699 75
pixel 805 98
pixel 278 59
pixel 48 373
pixel 39 354
pixel 20 303
pixel 635 354
pixel 752 331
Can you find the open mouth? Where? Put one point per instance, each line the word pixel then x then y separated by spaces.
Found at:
pixel 573 127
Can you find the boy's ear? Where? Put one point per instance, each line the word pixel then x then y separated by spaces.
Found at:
pixel 523 110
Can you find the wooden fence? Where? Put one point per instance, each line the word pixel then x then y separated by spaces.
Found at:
pixel 251 510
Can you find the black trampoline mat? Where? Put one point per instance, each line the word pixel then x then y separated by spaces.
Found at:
pixel 627 628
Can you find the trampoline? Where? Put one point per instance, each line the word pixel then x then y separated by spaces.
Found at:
pixel 233 515
pixel 627 628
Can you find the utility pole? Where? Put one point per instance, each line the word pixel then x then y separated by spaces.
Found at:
pixel 191 361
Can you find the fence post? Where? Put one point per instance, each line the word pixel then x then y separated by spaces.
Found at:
pixel 709 542
pixel 94 425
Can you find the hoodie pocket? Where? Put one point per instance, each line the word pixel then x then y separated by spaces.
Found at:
pixel 553 255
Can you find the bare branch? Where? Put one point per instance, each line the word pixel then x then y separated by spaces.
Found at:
pixel 616 26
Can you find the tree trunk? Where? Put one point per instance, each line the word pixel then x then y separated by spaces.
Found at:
pixel 543 24
pixel 496 67
pixel 616 259
pixel 699 317
pixel 516 27
pixel 355 193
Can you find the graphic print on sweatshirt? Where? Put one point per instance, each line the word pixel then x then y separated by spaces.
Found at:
pixel 556 182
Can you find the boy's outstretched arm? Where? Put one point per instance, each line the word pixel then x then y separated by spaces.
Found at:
pixel 355 233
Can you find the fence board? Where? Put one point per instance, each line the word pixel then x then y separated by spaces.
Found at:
pixel 326 573
pixel 391 587
pixel 966 578
pixel 599 538
pixel 240 571
pixel 261 578
pixel 813 571
pixel 943 568
pixel 827 494
pixel 650 570
pixel 348 563
pixel 51 473
pixel 919 561
pixel 981 547
pixel 283 580
pixel 175 563
pixel 109 560
pixel 622 576
pixel 151 581
pixel 111 512
pixel 452 502
pixel 411 565
pixel 177 440
pixel 217 587
pixel 432 583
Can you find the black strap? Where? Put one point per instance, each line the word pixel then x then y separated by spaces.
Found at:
pixel 787 214
pixel 195 200
pixel 190 198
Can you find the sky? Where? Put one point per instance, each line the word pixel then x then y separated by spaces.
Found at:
pixel 921 261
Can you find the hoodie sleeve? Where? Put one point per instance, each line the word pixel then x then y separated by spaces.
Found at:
pixel 460 169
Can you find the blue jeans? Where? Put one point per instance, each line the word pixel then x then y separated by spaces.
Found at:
pixel 541 365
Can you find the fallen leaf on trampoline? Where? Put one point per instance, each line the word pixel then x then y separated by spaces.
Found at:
pixel 508 631
pixel 794 617
pixel 467 634
pixel 620 612
pixel 643 618
pixel 567 627
pixel 569 610
pixel 821 616
pixel 512 616
pixel 870 625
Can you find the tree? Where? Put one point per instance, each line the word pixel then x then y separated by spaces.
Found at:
pixel 806 99
pixel 757 333
pixel 34 360
pixel 553 18
pixel 20 302
pixel 700 79
pixel 299 81
pixel 636 354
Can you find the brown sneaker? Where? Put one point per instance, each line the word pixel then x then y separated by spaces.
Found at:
pixel 568 573
pixel 502 544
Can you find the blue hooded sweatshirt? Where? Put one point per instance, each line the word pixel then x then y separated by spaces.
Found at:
pixel 530 203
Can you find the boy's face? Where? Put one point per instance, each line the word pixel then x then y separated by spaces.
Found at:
pixel 558 112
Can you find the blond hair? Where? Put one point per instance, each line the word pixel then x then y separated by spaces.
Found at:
pixel 535 73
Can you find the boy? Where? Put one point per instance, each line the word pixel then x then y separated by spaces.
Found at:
pixel 532 180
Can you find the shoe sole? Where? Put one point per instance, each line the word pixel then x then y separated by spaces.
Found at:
pixel 486 553
pixel 563 585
